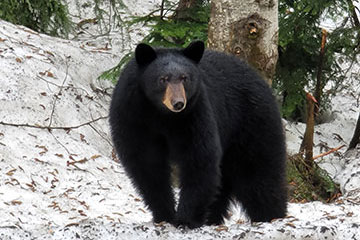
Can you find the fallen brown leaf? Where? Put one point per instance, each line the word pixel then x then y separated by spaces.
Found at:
pixel 16 202
pixel 142 210
pixel 290 224
pixel 50 74
pixel 221 228
pixel 349 214
pixel 82 137
pixel 11 172
pixel 95 157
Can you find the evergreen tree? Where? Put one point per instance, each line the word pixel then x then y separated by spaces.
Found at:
pixel 50 17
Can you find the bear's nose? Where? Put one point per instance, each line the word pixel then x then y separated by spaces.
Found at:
pixel 178 105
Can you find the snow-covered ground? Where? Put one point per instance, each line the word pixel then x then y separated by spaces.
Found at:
pixel 59 178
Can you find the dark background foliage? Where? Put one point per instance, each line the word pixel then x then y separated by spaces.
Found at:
pixel 299 47
pixel 49 16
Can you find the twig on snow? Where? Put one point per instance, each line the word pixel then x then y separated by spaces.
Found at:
pixel 328 152
pixel 59 93
pixel 103 137
pixel 57 140
pixel 52 127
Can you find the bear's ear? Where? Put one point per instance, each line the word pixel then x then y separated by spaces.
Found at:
pixel 195 51
pixel 144 54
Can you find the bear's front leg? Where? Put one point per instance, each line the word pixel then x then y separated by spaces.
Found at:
pixel 199 178
pixel 144 159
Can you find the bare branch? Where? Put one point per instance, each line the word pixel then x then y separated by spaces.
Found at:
pixel 51 127
pixel 57 140
pixel 328 152
pixel 59 93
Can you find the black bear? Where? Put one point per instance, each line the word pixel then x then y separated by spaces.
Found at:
pixel 216 119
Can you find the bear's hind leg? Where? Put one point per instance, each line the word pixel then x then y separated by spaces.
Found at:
pixel 263 196
pixel 263 202
pixel 259 181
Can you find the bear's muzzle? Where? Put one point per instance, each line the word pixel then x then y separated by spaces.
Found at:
pixel 175 97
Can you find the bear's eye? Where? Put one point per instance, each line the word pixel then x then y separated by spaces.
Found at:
pixel 183 78
pixel 164 79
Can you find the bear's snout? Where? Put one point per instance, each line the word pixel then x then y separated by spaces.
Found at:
pixel 175 97
pixel 178 105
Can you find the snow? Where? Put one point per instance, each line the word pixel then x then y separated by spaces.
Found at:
pixel 60 180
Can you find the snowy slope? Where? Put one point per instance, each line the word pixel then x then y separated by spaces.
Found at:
pixel 58 176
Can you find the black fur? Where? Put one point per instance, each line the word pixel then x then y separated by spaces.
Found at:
pixel 228 142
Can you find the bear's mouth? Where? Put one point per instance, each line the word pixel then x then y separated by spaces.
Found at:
pixel 175 97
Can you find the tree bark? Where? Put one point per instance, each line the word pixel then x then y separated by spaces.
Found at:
pixel 319 84
pixel 247 29
pixel 181 11
pixel 308 140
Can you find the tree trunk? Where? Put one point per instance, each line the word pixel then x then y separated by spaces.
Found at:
pixel 319 83
pixel 308 140
pixel 247 29
pixel 181 11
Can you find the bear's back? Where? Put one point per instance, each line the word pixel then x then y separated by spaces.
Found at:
pixel 229 68
pixel 237 93
pixel 228 76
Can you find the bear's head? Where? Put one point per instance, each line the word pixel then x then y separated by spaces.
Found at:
pixel 169 77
